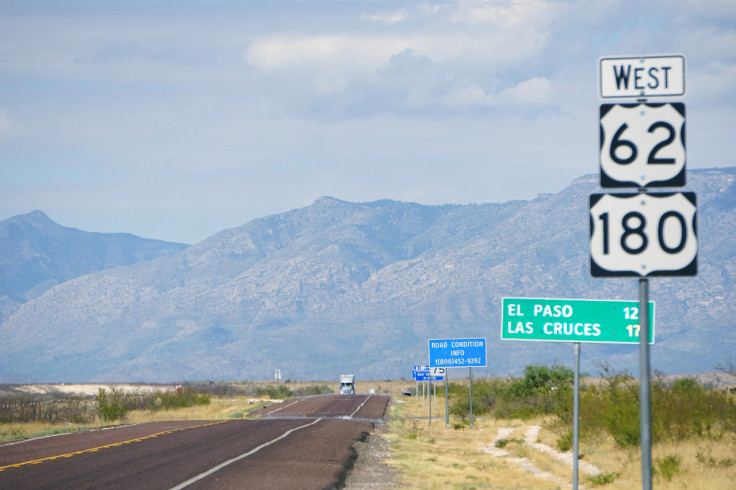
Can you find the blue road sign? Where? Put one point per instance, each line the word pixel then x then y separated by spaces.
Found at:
pixel 454 353
pixel 422 373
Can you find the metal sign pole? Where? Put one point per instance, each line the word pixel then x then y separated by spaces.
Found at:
pixel 471 396
pixel 645 411
pixel 429 390
pixel 576 419
pixel 447 402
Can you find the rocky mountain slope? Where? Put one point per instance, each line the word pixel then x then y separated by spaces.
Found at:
pixel 360 287
pixel 36 254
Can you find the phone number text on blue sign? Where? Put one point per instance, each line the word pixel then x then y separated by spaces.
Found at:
pixel 454 361
pixel 457 353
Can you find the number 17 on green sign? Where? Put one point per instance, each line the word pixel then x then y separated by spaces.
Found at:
pixel 573 320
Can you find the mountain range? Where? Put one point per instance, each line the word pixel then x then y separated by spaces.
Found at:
pixel 37 254
pixel 339 287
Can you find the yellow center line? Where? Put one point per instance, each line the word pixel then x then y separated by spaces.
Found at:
pixel 106 446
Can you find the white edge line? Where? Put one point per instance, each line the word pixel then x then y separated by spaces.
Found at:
pixel 238 458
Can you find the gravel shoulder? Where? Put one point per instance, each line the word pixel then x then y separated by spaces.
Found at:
pixel 370 471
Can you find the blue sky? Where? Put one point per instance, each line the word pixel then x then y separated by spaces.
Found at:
pixel 177 119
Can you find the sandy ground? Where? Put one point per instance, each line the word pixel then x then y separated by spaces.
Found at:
pixel 530 438
pixel 91 389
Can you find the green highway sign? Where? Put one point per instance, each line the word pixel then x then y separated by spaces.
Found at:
pixel 573 320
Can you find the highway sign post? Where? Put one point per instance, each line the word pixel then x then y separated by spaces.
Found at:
pixel 425 373
pixel 419 371
pixel 572 320
pixel 455 353
pixel 441 374
pixel 642 145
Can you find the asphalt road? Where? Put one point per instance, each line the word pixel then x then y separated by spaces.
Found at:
pixel 304 443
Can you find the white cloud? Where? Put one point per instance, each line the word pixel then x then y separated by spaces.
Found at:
pixel 496 14
pixel 387 17
pixel 535 91
pixel 470 95
pixel 347 51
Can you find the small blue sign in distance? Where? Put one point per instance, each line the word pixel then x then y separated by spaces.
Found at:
pixel 425 376
pixel 454 353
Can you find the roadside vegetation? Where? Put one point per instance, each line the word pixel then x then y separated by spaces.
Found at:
pixel 693 433
pixel 26 414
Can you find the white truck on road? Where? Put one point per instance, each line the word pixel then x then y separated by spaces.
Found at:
pixel 347 384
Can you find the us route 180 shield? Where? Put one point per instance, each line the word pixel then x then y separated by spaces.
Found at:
pixel 642 235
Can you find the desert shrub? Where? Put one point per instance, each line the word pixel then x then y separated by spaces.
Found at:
pixel 680 410
pixel 667 467
pixel 111 406
pixel 602 479
pixel 313 390
pixel 542 390
pixel 564 442
pixel 76 410
pixel 688 409
pixel 502 443
pixel 485 394
pixel 53 407
pixel 115 405
pixel 275 392
pixel 186 397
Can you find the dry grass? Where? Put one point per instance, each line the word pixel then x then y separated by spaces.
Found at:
pixel 16 431
pixel 430 457
pixel 218 409
pixel 436 457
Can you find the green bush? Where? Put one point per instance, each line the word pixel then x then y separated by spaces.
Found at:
pixel 680 410
pixel 313 390
pixel 277 392
pixel 602 479
pixel 687 409
pixel 187 397
pixel 667 467
pixel 111 407
pixel 543 390
pixel 564 442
